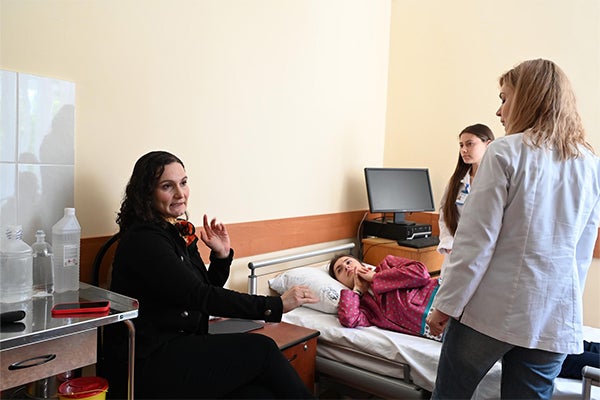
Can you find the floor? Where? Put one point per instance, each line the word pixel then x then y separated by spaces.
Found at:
pixel 327 389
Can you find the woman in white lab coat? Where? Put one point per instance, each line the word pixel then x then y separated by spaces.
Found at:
pixel 513 284
pixel 473 141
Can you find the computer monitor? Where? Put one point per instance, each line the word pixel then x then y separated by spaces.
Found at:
pixel 399 191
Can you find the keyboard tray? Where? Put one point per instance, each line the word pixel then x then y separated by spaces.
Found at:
pixel 419 243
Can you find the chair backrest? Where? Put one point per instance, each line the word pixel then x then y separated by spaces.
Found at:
pixel 100 261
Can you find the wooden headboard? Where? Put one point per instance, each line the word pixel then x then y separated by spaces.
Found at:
pixel 253 238
pixel 260 237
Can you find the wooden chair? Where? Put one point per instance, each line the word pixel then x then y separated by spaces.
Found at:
pixel 99 262
pixel 97 273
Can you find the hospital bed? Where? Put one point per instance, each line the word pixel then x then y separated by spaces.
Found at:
pixel 374 361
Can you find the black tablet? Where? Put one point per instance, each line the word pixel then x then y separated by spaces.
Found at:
pixel 233 325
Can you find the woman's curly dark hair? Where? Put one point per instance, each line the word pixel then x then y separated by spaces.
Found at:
pixel 137 204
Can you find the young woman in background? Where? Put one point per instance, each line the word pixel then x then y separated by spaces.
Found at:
pixel 473 141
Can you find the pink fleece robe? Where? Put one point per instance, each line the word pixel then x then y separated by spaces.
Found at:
pixel 399 298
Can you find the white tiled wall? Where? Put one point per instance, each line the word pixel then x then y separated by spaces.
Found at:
pixel 37 146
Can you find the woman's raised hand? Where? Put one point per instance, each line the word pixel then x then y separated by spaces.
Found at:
pixel 215 236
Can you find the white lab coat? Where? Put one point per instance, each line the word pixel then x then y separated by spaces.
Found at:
pixel 446 237
pixel 523 247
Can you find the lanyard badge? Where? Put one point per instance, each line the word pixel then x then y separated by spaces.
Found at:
pixel 462 196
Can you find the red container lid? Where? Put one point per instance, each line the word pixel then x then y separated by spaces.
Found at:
pixel 80 388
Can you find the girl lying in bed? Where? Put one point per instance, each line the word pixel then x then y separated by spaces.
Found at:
pixel 396 295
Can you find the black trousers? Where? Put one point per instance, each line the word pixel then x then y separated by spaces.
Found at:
pixel 232 366
pixel 574 363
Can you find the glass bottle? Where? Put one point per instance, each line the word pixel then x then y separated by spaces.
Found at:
pixel 16 267
pixel 43 266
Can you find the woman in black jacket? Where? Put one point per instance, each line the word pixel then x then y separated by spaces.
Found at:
pixel 158 263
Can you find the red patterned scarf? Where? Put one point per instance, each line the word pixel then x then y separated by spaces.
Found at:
pixel 187 230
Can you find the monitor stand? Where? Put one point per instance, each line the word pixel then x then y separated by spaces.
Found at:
pixel 400 220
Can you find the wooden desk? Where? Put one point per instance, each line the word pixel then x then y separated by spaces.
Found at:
pixel 375 250
pixel 298 344
pixel 43 346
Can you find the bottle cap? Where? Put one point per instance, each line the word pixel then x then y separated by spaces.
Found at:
pixel 14 231
pixel 40 236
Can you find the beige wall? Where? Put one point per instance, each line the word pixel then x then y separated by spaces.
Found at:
pixel 274 106
pixel 591 297
pixel 445 59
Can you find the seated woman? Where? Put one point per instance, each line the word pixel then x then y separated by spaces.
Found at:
pixel 158 263
pixel 397 295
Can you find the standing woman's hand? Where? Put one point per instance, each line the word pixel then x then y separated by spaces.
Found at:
pixel 437 322
pixel 215 236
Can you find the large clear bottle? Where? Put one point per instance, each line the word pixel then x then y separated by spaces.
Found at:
pixel 66 236
pixel 16 266
pixel 43 266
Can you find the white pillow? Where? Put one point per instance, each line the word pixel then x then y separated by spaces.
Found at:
pixel 318 280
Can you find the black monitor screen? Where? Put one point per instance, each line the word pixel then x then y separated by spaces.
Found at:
pixel 399 190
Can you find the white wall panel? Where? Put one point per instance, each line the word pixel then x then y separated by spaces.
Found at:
pixel 37 142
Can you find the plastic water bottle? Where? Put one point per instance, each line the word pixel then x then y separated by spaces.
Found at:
pixel 16 267
pixel 66 235
pixel 43 266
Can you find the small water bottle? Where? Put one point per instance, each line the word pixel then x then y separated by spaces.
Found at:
pixel 16 267
pixel 66 236
pixel 43 266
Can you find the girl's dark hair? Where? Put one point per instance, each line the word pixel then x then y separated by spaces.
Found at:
pixel 449 208
pixel 137 204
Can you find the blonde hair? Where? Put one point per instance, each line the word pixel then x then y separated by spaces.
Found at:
pixel 544 108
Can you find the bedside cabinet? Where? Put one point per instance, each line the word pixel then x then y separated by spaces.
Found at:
pixel 375 250
pixel 298 344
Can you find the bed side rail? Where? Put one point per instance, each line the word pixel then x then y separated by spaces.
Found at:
pixel 404 367
pixel 369 382
pixel 591 376
pixel 254 265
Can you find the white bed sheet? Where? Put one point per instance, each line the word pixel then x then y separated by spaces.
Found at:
pixel 420 353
